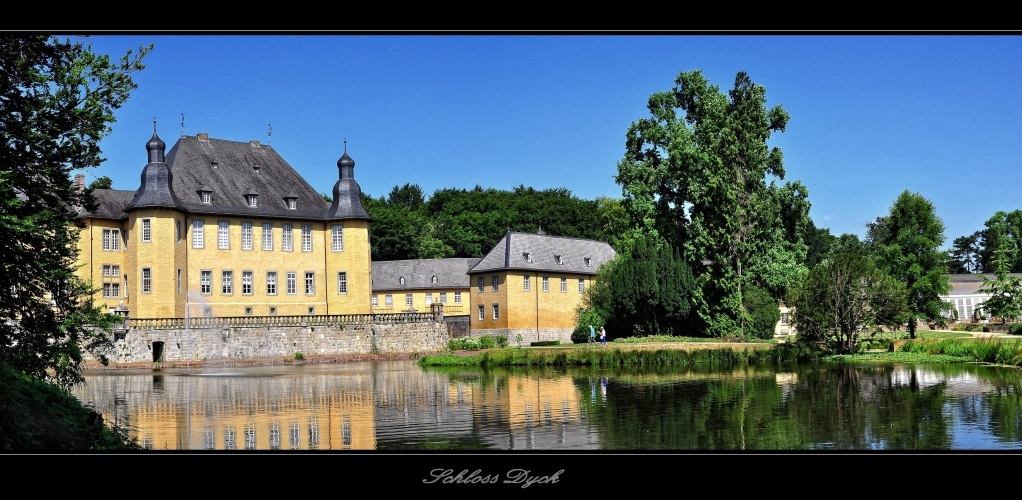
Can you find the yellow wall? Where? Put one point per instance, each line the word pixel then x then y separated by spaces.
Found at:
pixel 519 307
pixel 419 301
pixel 92 257
pixel 165 254
pixel 356 260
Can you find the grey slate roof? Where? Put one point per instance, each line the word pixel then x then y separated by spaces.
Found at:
pixel 112 203
pixel 543 249
pixel 191 161
pixel 418 274
pixel 969 284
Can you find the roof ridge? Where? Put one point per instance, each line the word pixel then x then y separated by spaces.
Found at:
pixel 555 236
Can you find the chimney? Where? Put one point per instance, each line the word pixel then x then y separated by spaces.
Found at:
pixel 203 137
pixel 80 183
pixel 254 144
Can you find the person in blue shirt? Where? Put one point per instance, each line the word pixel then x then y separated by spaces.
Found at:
pixel 592 334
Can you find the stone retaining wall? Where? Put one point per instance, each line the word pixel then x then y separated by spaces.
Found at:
pixel 528 335
pixel 253 342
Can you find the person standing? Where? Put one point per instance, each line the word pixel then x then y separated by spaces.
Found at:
pixel 592 334
pixel 603 335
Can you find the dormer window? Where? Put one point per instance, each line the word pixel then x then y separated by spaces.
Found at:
pixel 255 169
pixel 434 280
pixel 401 280
pixel 252 199
pixel 527 256
pixel 292 203
pixel 558 259
pixel 589 262
pixel 214 164
pixel 206 197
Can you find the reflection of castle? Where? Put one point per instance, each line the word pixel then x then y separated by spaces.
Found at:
pixel 222 412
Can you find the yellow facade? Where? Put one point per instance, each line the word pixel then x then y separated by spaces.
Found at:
pixel 456 301
pixel 520 309
pixel 213 279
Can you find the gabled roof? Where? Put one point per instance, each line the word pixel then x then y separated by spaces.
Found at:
pixel 969 284
pixel 235 175
pixel 543 250
pixel 111 204
pixel 418 274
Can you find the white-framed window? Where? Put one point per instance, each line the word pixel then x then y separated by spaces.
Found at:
pixel 273 311
pixel 581 285
pixel 564 285
pixel 223 235
pixel 443 297
pixel 147 230
pixel 292 283
pixel 526 283
pixel 376 300
pixel 198 234
pixel 271 285
pixel 784 318
pixel 429 299
pixel 287 238
pixel 342 283
pixel 310 283
pixel 559 260
pixel 388 300
pixel 337 238
pixel 496 312
pixel 112 240
pixel 206 197
pixel 495 281
pixel 246 282
pixel 292 203
pixel 306 238
pixel 252 199
pixel 111 280
pixel 246 235
pixel 482 313
pixel 457 297
pixel 546 283
pixel 205 282
pixel 267 237
pixel 408 299
pixel 481 282
pixel 227 282
pixel 589 261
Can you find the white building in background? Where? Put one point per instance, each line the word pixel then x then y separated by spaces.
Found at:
pixel 966 296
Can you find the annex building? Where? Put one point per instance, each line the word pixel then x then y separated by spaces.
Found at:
pixel 225 228
pixel 415 285
pixel 531 284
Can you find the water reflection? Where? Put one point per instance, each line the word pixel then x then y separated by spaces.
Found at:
pixel 397 405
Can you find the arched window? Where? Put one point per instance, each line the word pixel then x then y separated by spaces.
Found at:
pixel 401 280
pixel 434 280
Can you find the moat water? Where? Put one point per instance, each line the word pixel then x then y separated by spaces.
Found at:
pixel 397 405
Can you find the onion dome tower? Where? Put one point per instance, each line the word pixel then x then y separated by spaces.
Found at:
pixel 155 191
pixel 347 202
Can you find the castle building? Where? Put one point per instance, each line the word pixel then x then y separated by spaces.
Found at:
pixel 532 284
pixel 225 228
pixel 415 285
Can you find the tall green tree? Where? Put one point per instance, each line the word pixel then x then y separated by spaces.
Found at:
pixel 57 100
pixel 907 244
pixel 965 257
pixel 699 174
pixel 1005 301
pixel 1003 229
pixel 647 289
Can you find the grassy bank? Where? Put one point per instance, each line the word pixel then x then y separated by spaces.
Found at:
pixel 997 351
pixel 617 356
pixel 38 416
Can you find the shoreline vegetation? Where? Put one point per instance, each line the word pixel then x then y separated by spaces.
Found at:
pixel 998 351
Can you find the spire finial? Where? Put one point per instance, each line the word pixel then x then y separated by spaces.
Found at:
pixel 154 125
pixel 269 133
pixel 345 144
pixel 182 124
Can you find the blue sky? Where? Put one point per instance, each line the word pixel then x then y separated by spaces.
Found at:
pixel 871 116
